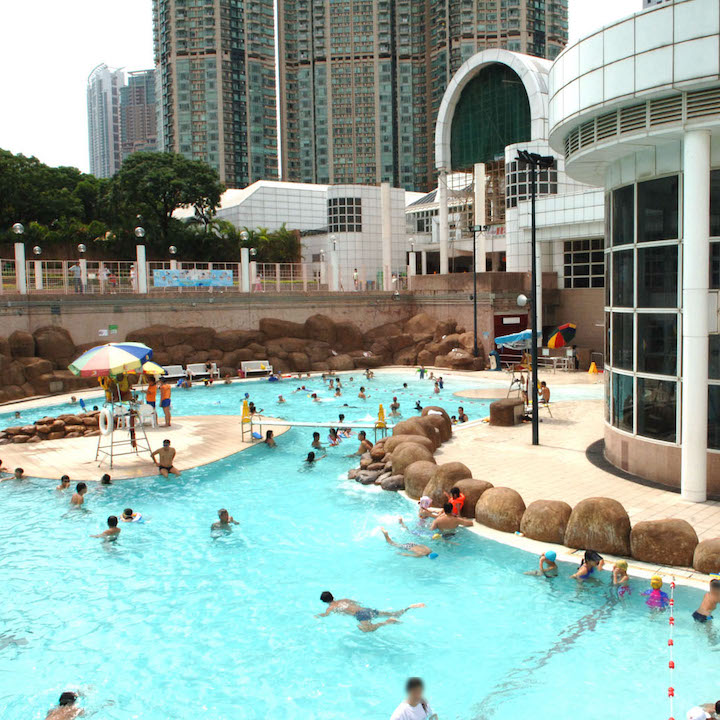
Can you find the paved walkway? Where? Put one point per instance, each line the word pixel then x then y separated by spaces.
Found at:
pixel 199 440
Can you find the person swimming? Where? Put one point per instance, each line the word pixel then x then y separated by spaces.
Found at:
pixel 591 561
pixel 620 577
pixel 410 549
pixel 270 439
pixel 709 603
pixel 447 523
pixel 129 516
pixel 225 520
pixel 113 530
pixel 66 708
pixel 418 406
pixel 333 438
pixel 316 441
pixel 64 483
pixel 364 615
pixel 656 598
pixel 547 566
pixel 311 458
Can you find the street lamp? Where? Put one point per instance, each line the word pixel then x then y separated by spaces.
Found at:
pixel 333 240
pixel 37 250
pixel 18 228
pixel 81 249
pixel 544 162
pixel 253 252
pixel 139 232
pixel 244 236
pixel 172 250
pixel 475 230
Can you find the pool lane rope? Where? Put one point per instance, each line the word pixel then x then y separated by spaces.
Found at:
pixel 671 645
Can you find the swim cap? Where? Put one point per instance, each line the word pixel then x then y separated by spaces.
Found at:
pixel 436 536
pixel 622 564
pixel 550 555
pixel 432 556
pixel 656 582
pixel 425 502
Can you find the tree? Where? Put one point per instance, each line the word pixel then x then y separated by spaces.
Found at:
pixel 157 184
pixel 281 245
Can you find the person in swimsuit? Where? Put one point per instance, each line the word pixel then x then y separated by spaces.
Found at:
pixel 151 393
pixel 418 406
pixel 225 520
pixel 591 561
pixel 620 577
pixel 113 530
pixel 316 441
pixel 410 549
pixel 461 416
pixel 365 444
pixel 424 510
pixel 165 457
pixel 333 438
pixel 78 497
pixel 708 604
pixel 311 458
pixel 66 708
pixel 363 615
pixel 165 391
pixel 394 408
pixel 362 394
pixel 546 565
pixel 447 523
pixel 270 439
pixel 64 483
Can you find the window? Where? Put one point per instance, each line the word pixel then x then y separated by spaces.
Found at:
pixel 657 410
pixel 714 417
pixel 623 295
pixel 714 357
pixel 345 215
pixel 584 263
pixel 657 344
pixel 657 283
pixel 622 411
pixel 715 203
pixel 657 213
pixel 623 215
pixel 622 337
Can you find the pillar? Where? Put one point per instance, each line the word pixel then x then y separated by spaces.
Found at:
pixel 479 214
pixel 696 260
pixel 443 221
pixel 84 274
pixel 423 262
pixel 334 271
pixel 386 210
pixel 38 274
pixel 412 269
pixel 20 271
pixel 245 270
pixel 142 280
pixel 253 274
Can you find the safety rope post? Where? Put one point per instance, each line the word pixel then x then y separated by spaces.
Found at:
pixel 671 646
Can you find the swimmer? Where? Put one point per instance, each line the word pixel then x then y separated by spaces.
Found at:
pixel 82 405
pixel 129 516
pixel 441 383
pixel 462 417
pixel 591 561
pixel 456 499
pixel 405 387
pixel 431 376
pixel 365 444
pixel 447 523
pixel 64 483
pixel 333 438
pixel 338 393
pixel 394 407
pixel 281 399
pixel 546 565
pixel 113 530
pixel 346 431
pixel 227 379
pixel 410 549
pixel 620 577
pixel 656 598
pixel 331 384
pixel 363 615
pixel 436 388
pixel 316 441
pixel 19 474
pixel 453 420
pixel 312 458
pixel 362 394
pixel 165 458
pixel 225 521
pixel 424 510
pixel 105 480
pixel 418 406
pixel 708 604
pixel 66 708
pixel 17 415
pixel 73 400
pixel 270 439
pixel 78 497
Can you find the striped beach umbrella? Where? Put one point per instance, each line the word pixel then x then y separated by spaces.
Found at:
pixel 111 359
pixel 562 335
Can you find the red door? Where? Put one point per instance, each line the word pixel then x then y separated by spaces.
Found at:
pixel 507 325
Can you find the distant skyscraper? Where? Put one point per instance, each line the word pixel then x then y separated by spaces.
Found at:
pixel 138 113
pixel 215 61
pixel 103 103
pixel 361 80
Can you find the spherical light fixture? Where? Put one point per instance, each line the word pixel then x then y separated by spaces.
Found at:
pixel 253 252
pixel 81 248
pixel 244 235
pixel 139 232
pixel 37 250
pixel 18 228
pixel 172 250
pixel 522 300
pixel 333 240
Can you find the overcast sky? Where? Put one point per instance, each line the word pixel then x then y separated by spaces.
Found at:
pixel 49 48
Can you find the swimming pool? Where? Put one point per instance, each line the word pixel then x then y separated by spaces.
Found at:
pixel 173 622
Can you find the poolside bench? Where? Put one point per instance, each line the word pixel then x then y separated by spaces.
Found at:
pixel 256 366
pixel 174 372
pixel 200 370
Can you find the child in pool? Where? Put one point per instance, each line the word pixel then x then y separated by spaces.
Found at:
pixel 709 603
pixel 591 561
pixel 546 565
pixel 656 598
pixel 129 516
pixel 620 577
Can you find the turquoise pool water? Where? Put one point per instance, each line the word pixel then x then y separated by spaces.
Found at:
pixel 172 621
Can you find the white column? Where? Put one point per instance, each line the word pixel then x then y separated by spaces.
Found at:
pixel 386 209
pixel 245 269
pixel 423 262
pixel 303 270
pixel 696 260
pixel 253 274
pixel 142 279
pixel 277 277
pixel 411 269
pixel 334 271
pixel 20 270
pixel 443 221
pixel 323 272
pixel 83 274
pixel 173 264
pixel 38 274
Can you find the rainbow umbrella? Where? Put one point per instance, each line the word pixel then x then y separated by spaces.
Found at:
pixel 111 359
pixel 562 335
pixel 150 368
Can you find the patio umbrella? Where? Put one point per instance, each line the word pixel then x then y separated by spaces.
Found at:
pixel 516 341
pixel 562 335
pixel 150 368
pixel 110 359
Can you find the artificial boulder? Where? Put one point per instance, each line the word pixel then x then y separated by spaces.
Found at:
pixel 506 412
pixel 378 451
pixel 459 359
pixel 406 356
pixel 413 427
pixel 54 344
pixel 473 490
pixel 599 524
pixel 22 344
pixel 407 454
pixel 367 477
pixel 274 328
pixel 340 362
pixel 321 327
pixel 230 340
pixel 152 336
pixel 299 361
pixel 500 508
pixel 34 367
pixel 348 337
pixel 420 323
pixel 395 441
pixel 666 542
pixel 443 425
pixel 546 520
pixel 444 478
pixel 417 476
pixel 425 357
pixel 382 331
pixel 706 558
pixel 394 482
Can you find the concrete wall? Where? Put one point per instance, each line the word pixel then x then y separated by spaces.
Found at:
pixel 582 306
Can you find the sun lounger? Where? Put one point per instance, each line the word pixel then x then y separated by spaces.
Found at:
pixel 261 367
pixel 174 372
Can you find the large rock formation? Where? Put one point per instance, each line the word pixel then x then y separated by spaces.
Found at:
pixel 506 412
pixel 22 344
pixel 665 542
pixel 546 520
pixel 473 490
pixel 706 558
pixel 417 477
pixel 444 478
pixel 413 426
pixel 396 440
pixel 55 344
pixel 599 524
pixel 408 453
pixel 500 508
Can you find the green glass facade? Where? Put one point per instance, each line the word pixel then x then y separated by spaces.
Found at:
pixel 493 111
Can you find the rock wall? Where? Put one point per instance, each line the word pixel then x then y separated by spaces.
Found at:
pixel 53 428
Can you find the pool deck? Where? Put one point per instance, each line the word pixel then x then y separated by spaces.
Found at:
pixel 199 440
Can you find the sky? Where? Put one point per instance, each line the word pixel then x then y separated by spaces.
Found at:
pixel 49 48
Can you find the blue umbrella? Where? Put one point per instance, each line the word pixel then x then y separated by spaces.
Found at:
pixel 517 341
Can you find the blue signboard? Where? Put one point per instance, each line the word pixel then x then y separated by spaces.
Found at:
pixel 192 278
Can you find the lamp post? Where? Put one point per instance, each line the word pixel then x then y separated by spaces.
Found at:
pixel 475 230
pixel 138 274
pixel 534 161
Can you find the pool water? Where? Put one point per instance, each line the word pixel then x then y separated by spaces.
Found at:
pixel 175 621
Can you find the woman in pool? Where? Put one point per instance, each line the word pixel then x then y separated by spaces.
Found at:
pixel 270 439
pixel 591 561
pixel 333 437
pixel 311 458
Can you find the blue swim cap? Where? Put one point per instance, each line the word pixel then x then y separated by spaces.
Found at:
pixel 432 556
pixel 550 555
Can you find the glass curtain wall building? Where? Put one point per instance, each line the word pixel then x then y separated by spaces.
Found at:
pixel 361 81
pixel 215 65
pixel 138 113
pixel 103 106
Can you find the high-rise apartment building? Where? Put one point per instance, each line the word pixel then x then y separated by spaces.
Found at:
pixel 103 105
pixel 361 80
pixel 138 113
pixel 215 61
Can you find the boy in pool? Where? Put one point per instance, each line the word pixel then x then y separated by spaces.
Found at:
pixel 64 483
pixel 66 708
pixel 19 474
pixel 365 444
pixel 363 615
pixel 447 523
pixel 78 497
pixel 225 521
pixel 546 566
pixel 410 549
pixel 708 604
pixel 112 531
pixel 316 441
